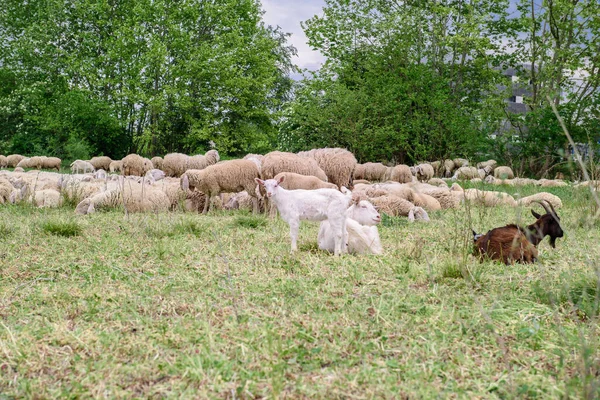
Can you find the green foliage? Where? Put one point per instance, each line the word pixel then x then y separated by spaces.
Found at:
pixel 147 76
pixel 399 85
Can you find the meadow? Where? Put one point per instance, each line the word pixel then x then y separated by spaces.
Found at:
pixel 188 306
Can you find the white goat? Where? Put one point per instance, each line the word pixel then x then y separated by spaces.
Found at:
pixel 313 205
pixel 362 236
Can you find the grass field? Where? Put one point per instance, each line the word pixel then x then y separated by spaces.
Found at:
pixel 183 305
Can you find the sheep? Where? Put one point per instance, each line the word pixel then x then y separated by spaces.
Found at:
pixel 157 162
pixel 449 167
pixel 155 175
pixel 489 198
pixel 503 173
pixel 226 176
pixel 551 183
pixel 25 163
pixel 362 236
pixel 102 162
pixel 175 164
pixel 19 169
pixel 438 182
pixel 426 201
pixel 460 162
pixel 202 161
pixel 437 165
pixel 242 201
pixel 46 198
pixel 338 164
pixel 6 189
pixel 360 181
pixel 554 200
pixel 115 166
pixel 393 188
pixel 100 174
pixel 136 165
pixel 3 161
pixel 465 173
pixel 83 166
pixel 445 197
pixel 134 196
pixel 255 160
pixel 395 206
pixel 370 171
pixel 400 173
pixel 314 205
pixel 424 172
pixel 13 159
pixel 489 163
pixel 51 163
pixel 295 181
pixel 278 161
pixel 514 243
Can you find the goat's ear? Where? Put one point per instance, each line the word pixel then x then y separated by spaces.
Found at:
pixel 280 179
pixel 536 215
pixel 259 181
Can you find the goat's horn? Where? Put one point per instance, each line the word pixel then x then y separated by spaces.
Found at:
pixel 543 205
pixel 552 207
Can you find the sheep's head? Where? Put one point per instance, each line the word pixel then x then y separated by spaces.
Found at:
pixel 547 224
pixel 363 212
pixel 271 186
pixel 85 207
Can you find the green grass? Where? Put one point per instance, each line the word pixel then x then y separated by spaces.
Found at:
pixel 190 306
pixel 61 228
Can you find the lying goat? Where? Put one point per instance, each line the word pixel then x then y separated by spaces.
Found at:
pixel 512 243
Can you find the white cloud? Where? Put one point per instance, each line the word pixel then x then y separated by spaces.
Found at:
pixel 288 14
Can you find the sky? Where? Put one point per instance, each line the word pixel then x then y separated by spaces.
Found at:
pixel 288 14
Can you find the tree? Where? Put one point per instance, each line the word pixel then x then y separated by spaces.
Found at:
pixel 156 75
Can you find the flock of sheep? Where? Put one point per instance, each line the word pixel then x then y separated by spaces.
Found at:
pixel 193 183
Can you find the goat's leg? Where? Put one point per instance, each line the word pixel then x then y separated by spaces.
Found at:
pixel 338 226
pixel 294 226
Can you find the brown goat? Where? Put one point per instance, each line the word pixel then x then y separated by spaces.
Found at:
pixel 512 243
pixel 507 243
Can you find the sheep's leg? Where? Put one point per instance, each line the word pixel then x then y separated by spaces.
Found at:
pixel 206 204
pixel 254 205
pixel 294 226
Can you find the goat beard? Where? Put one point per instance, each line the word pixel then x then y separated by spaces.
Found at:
pixel 553 242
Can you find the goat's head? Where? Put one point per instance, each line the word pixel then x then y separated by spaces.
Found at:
pixel 270 185
pixel 547 224
pixel 363 212
pixel 476 235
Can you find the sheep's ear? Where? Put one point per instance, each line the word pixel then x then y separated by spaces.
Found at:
pixel 185 182
pixel 281 178
pixel 536 215
pixel 259 181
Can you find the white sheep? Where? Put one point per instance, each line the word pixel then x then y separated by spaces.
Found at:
pixel 155 175
pixel 100 174
pixel 362 236
pixel 424 172
pixel 83 166
pixel 503 173
pixel 313 205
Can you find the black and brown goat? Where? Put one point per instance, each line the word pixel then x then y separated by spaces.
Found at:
pixel 512 243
